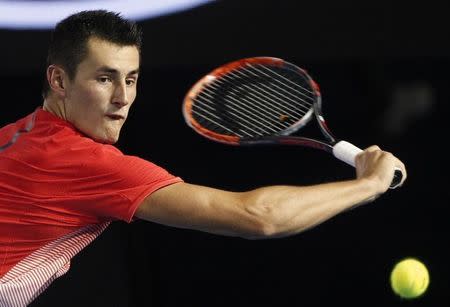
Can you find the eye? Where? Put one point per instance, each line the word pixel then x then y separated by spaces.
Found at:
pixel 130 81
pixel 104 79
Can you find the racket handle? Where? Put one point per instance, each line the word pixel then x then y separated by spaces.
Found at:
pixel 347 152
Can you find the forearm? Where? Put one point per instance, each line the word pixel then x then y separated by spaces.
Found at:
pixel 286 210
pixel 268 212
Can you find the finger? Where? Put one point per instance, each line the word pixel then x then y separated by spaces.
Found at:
pixel 372 148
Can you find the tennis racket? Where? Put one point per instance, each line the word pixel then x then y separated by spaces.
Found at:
pixel 262 100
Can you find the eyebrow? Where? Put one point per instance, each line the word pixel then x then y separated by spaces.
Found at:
pixel 110 70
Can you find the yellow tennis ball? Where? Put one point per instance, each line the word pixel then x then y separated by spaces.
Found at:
pixel 409 278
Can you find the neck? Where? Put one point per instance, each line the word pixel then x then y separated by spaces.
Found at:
pixel 54 106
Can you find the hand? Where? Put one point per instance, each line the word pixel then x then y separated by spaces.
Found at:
pixel 378 166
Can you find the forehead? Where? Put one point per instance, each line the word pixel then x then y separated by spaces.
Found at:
pixel 104 53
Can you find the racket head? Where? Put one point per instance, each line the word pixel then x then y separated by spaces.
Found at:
pixel 251 99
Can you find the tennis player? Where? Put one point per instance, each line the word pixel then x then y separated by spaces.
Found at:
pixel 62 181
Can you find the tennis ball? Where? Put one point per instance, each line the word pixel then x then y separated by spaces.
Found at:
pixel 409 278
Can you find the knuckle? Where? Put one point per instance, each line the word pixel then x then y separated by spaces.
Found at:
pixel 373 148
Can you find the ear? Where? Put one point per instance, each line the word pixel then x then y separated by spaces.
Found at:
pixel 57 78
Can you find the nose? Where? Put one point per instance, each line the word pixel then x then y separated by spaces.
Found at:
pixel 120 97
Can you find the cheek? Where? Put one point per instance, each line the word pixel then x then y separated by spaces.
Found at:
pixel 92 97
pixel 97 92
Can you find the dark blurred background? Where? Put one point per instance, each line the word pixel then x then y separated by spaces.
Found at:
pixel 383 68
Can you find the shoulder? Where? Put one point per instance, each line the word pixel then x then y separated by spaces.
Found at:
pixel 107 158
pixel 9 130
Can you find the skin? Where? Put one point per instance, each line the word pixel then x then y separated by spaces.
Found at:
pixel 99 97
pixel 268 212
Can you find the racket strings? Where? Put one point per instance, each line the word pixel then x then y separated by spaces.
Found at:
pixel 210 123
pixel 257 92
pixel 247 99
pixel 277 100
pixel 253 101
pixel 248 113
pixel 226 119
pixel 283 90
pixel 236 112
pixel 302 90
pixel 236 119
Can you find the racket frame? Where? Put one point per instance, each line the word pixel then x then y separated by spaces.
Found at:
pixel 284 137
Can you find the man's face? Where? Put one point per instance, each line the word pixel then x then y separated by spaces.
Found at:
pixel 99 97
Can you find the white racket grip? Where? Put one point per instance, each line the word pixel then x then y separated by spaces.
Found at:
pixel 346 152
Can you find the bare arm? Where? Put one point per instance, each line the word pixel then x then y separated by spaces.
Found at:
pixel 273 211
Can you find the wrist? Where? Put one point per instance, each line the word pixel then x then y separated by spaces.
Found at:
pixel 371 187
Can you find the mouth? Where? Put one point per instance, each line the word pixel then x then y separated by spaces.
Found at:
pixel 115 116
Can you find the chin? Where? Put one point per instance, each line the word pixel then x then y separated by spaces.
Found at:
pixel 110 140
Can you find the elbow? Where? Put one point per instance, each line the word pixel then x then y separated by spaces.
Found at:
pixel 263 222
pixel 268 231
pixel 260 231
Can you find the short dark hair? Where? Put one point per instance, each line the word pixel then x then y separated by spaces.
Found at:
pixel 68 42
